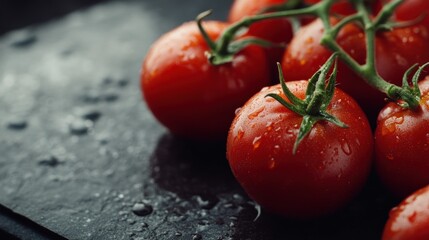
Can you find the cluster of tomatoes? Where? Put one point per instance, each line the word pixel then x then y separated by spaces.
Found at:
pixel 199 100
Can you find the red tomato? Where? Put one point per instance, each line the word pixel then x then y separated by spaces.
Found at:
pixel 328 169
pixel 192 97
pixel 402 145
pixel 342 7
pixel 413 9
pixel 396 51
pixel 409 220
pixel 274 30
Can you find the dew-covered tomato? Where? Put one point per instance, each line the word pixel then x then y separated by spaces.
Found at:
pixel 277 31
pixel 189 95
pixel 395 52
pixel 328 168
pixel 402 145
pixel 410 219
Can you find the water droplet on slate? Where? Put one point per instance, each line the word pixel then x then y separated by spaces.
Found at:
pixel 145 225
pixel 206 203
pixel 90 114
pixel 50 160
pixel 197 237
pixel 142 209
pixel 131 221
pixel 17 124
pixel 24 40
pixel 91 97
pixel 123 82
pixel 178 234
pixel 79 127
pixel 107 81
pixel 110 96
pixel 102 139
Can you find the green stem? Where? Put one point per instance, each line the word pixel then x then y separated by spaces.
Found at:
pixel 229 34
pixel 221 51
pixel 367 71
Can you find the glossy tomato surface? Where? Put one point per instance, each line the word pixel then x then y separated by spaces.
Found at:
pixel 277 31
pixel 409 220
pixel 413 10
pixel 328 169
pixel 402 146
pixel 395 52
pixel 192 97
pixel 342 7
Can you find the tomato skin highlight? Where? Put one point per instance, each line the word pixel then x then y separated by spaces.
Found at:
pixel 329 168
pixel 402 145
pixel 410 219
pixel 396 51
pixel 192 97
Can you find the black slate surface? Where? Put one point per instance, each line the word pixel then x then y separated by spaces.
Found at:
pixel 82 156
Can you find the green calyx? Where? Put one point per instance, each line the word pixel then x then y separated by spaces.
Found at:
pixel 317 99
pixel 410 94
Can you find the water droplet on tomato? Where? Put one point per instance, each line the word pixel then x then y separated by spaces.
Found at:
pixel 400 60
pixel 345 146
pixel 256 113
pixel 335 151
pixel 269 126
pixel 292 131
pixel 256 142
pixel 303 62
pixel 390 124
pixel 240 133
pixel 237 110
pixel 272 164
pixel 390 156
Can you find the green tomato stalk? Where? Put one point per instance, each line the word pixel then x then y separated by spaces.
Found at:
pixel 223 50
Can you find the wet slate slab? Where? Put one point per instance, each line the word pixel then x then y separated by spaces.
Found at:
pixel 83 157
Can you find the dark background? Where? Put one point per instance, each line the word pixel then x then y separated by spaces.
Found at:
pixel 80 150
pixel 20 13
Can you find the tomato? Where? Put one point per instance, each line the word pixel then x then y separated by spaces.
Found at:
pixel 413 9
pixel 409 220
pixel 328 169
pixel 192 97
pixel 395 50
pixel 277 31
pixel 402 145
pixel 342 7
